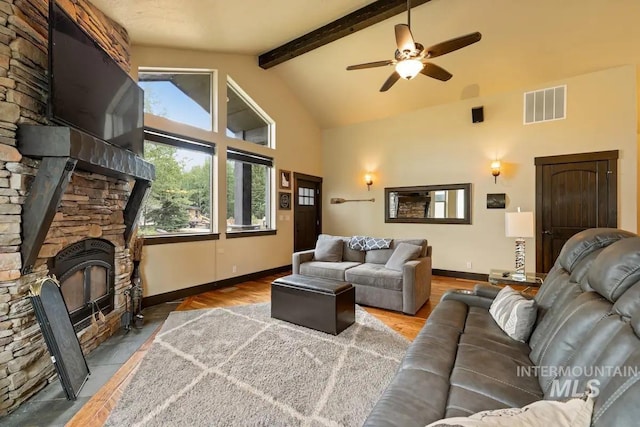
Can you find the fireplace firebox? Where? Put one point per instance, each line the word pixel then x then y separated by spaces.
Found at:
pixel 86 274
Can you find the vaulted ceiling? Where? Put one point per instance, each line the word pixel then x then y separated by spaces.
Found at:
pixel 524 43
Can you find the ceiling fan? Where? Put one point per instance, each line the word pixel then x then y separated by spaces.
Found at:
pixel 411 57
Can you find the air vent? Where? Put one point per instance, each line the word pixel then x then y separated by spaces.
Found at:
pixel 545 105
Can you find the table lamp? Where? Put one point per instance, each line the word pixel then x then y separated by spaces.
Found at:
pixel 519 225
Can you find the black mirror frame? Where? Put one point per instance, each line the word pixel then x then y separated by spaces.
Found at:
pixel 467 208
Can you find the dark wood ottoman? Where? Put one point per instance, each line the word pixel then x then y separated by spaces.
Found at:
pixel 313 302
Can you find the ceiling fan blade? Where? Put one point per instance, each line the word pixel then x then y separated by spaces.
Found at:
pixel 453 44
pixel 393 78
pixel 404 39
pixel 370 65
pixel 432 70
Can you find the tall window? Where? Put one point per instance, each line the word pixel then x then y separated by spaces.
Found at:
pixel 180 199
pixel 183 97
pixel 245 120
pixel 248 191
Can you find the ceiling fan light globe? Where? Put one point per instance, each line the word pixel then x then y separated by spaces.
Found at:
pixel 409 68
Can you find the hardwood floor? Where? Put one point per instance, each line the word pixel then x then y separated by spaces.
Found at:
pixel 96 411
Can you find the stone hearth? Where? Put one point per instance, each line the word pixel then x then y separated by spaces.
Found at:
pixel 91 207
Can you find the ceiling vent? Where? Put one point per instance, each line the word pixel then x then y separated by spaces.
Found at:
pixel 545 105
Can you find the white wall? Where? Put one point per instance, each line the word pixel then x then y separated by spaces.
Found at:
pixel 440 145
pixel 170 267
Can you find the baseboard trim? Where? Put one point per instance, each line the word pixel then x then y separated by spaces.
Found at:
pixel 461 275
pixel 194 290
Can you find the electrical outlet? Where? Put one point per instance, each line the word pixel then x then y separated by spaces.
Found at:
pixel 234 269
pixel 469 265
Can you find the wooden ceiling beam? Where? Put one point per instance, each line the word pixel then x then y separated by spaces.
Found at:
pixel 362 18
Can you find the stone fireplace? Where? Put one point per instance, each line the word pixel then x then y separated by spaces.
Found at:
pixel 68 210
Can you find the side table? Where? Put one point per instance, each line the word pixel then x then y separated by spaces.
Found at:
pixel 504 277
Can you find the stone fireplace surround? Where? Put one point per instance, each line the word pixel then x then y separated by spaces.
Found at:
pixel 93 204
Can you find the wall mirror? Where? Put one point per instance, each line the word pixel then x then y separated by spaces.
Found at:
pixel 432 204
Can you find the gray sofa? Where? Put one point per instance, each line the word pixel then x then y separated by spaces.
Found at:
pixel 588 323
pixel 375 285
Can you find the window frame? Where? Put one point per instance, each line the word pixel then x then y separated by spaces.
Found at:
pixel 189 143
pixel 213 98
pixel 271 124
pixel 239 155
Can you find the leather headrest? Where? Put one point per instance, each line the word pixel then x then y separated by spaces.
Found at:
pixel 580 273
pixel 628 305
pixel 616 269
pixel 587 241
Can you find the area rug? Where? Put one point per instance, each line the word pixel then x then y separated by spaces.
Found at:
pixel 238 366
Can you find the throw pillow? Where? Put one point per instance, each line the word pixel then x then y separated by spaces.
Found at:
pixel 543 413
pixel 357 243
pixel 329 250
pixel 403 253
pixel 372 243
pixel 514 313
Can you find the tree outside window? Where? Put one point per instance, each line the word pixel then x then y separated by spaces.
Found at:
pixel 180 198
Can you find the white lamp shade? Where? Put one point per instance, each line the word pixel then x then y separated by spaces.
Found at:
pixel 518 224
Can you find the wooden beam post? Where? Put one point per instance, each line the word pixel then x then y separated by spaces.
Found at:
pixel 41 204
pixel 362 18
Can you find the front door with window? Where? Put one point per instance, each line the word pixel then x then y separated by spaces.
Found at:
pixel 307 211
pixel 573 192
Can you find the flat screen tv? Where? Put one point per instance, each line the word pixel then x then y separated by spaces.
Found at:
pixel 88 90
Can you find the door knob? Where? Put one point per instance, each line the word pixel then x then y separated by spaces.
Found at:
pixel 547 232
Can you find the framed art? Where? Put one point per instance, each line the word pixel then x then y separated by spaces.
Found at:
pixel 284 201
pixel 496 200
pixel 284 179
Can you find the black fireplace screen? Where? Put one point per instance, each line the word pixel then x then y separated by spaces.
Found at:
pixel 86 273
pixel 61 339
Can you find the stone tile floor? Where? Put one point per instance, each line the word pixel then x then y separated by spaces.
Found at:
pixel 49 407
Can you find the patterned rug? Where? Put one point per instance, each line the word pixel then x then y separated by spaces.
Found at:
pixel 237 366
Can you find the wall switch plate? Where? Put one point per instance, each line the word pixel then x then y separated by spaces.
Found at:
pixel 469 265
pixel 234 269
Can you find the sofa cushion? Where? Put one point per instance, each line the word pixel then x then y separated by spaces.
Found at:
pixel 413 398
pixel 375 243
pixel 328 250
pixel 381 256
pixel 348 254
pixel 573 413
pixel 328 270
pixel 403 253
pixel 358 243
pixel 515 314
pixel 616 269
pixel 587 241
pixel 375 275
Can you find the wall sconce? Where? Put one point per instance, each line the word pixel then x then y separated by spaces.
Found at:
pixel 368 180
pixel 495 170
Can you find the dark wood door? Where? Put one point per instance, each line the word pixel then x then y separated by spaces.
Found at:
pixel 573 192
pixel 307 197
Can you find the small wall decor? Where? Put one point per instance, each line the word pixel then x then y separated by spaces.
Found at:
pixel 340 200
pixel 496 200
pixel 284 201
pixel 284 179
